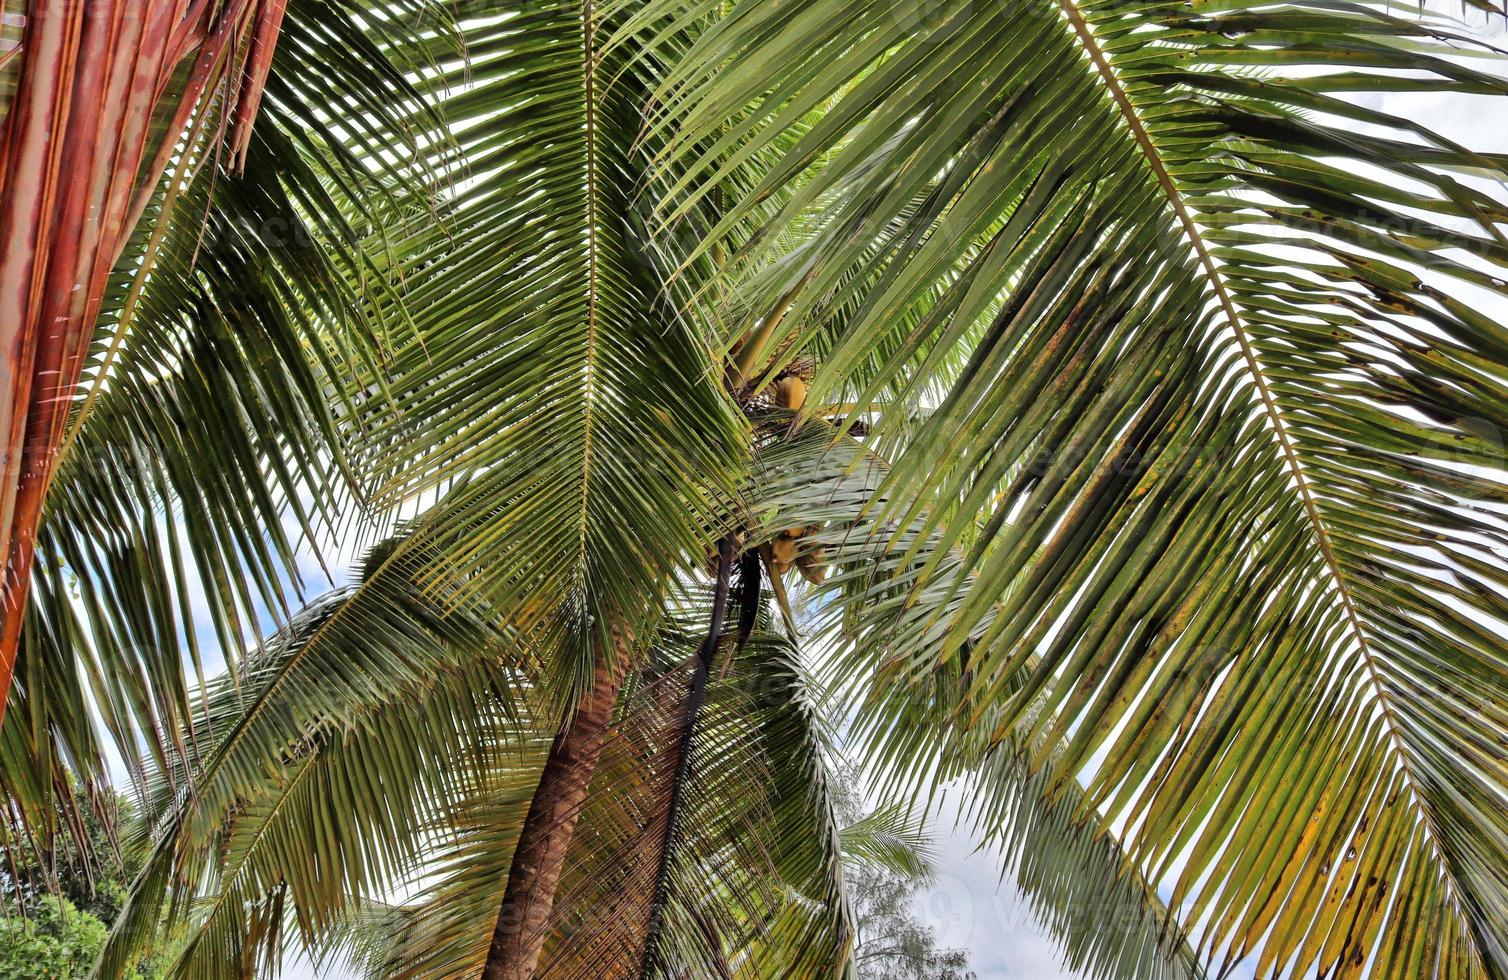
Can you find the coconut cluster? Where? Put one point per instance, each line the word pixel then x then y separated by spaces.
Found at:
pixel 787 552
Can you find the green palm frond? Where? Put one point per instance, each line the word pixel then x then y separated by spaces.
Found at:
pixel 446 930
pixel 376 742
pixel 260 811
pixel 910 710
pixel 209 445
pixel 892 839
pixel 1226 439
pixel 345 812
pixel 548 366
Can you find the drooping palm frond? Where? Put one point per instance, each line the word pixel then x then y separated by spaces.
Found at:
pixel 445 932
pixel 679 736
pixel 548 365
pixel 811 933
pixel 1227 427
pixel 101 99
pixel 296 795
pixel 372 745
pixel 911 712
pixel 207 449
pixel 347 811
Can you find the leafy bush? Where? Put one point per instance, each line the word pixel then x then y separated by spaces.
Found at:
pixel 55 941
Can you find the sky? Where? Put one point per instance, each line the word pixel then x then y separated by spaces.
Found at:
pixel 969 905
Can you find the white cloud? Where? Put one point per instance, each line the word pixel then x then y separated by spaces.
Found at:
pixel 971 907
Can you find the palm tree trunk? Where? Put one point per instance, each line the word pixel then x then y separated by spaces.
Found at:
pixel 540 854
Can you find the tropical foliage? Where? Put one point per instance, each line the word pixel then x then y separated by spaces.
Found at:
pixel 1106 400
pixel 59 903
pixel 98 104
pixel 55 942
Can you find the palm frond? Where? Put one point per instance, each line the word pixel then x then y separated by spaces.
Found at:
pixel 249 816
pixel 1225 430
pixel 751 881
pixel 910 709
pixel 347 811
pixel 207 449
pixel 548 367
pixel 101 102
pixel 892 839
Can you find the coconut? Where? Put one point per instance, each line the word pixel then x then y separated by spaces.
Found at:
pixel 790 392
pixel 813 565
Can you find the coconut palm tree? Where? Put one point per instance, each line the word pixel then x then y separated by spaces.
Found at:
pixel 1127 366
pixel 1225 441
pixel 705 842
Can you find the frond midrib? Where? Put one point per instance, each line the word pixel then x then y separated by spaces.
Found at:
pixel 1129 114
pixel 218 904
pixel 589 375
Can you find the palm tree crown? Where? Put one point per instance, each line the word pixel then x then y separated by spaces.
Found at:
pixel 1111 392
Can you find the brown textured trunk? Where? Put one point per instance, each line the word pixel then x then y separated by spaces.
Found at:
pixel 540 854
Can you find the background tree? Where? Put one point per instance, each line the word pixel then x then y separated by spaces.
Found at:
pixel 893 942
pixel 58 906
pixel 55 940
pixel 887 861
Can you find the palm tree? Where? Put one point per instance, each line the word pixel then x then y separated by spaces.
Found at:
pixel 1150 437
pixel 705 842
